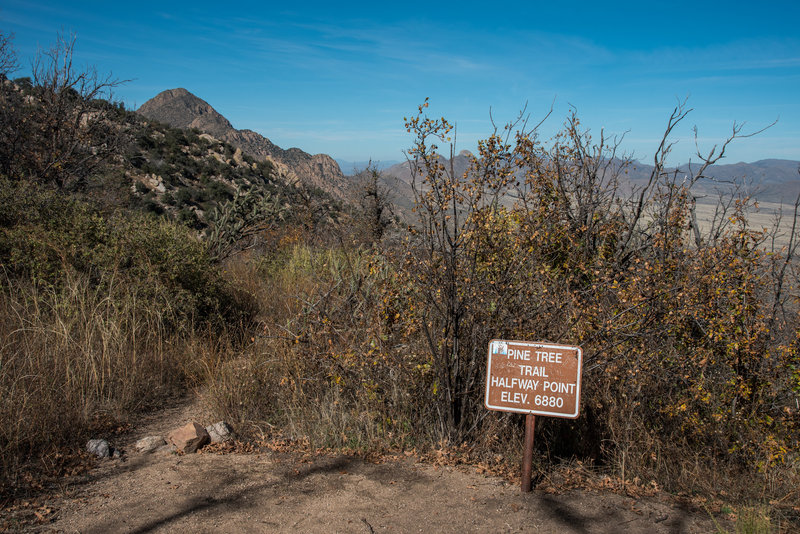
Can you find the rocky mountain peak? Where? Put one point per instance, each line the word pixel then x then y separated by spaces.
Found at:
pixel 181 109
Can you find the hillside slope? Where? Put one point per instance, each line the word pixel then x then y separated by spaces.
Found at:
pixel 181 109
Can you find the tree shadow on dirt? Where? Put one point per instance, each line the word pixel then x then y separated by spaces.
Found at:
pixel 609 519
pixel 219 498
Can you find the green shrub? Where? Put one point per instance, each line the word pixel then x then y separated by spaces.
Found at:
pixel 188 218
pixel 219 192
pixel 45 236
pixel 99 315
pixel 151 206
pixel 183 196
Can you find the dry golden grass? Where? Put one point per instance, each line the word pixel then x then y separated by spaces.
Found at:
pixel 75 356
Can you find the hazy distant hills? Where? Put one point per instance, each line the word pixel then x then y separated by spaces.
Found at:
pixel 354 167
pixel 402 171
pixel 181 109
pixel 768 180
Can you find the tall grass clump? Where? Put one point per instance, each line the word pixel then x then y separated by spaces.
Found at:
pixel 319 367
pixel 73 353
pixel 99 315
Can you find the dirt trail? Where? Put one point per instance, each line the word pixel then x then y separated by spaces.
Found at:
pixel 280 492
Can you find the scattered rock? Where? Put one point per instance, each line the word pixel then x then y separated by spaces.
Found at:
pixel 189 438
pixel 238 158
pixel 219 432
pixel 166 449
pixel 99 447
pixel 154 181
pixel 150 444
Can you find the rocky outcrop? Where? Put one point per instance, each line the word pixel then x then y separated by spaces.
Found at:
pixel 181 109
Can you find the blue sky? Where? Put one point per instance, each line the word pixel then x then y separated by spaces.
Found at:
pixel 339 78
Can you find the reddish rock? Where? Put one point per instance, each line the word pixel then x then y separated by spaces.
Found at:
pixel 189 438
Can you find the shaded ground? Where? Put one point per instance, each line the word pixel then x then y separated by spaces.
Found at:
pixel 285 492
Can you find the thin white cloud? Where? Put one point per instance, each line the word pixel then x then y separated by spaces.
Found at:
pixel 750 54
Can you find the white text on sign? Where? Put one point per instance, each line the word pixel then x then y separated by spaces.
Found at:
pixel 535 378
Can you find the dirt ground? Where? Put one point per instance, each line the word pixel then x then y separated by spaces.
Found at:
pixel 288 492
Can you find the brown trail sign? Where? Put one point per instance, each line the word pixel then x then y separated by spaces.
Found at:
pixel 534 379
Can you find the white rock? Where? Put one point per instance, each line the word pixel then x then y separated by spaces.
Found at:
pixel 99 447
pixel 219 432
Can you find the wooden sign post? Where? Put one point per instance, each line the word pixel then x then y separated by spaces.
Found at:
pixel 534 379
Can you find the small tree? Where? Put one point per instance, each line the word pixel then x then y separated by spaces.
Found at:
pixel 374 209
pixel 10 105
pixel 58 131
pixel 686 346
pixel 8 56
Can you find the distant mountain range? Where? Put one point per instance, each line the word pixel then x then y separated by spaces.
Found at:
pixel 181 109
pixel 768 180
pixel 354 167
